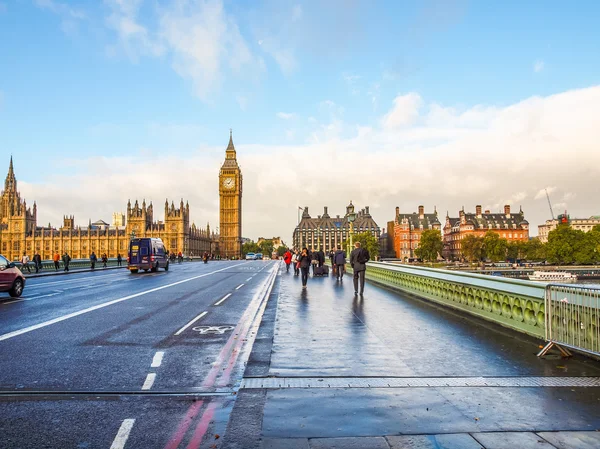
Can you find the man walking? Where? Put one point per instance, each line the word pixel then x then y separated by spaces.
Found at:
pixel 93 259
pixel 287 258
pixel 66 260
pixel 120 259
pixel 25 263
pixel 339 262
pixel 37 261
pixel 358 260
pixel 56 261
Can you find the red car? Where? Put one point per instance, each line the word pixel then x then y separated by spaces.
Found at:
pixel 11 278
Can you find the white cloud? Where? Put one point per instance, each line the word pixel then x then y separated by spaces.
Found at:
pixel 496 162
pixel 405 111
pixel 286 115
pixel 538 66
pixel 542 192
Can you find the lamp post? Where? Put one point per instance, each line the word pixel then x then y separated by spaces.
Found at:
pixel 351 218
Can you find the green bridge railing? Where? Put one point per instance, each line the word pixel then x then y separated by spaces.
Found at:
pixel 511 303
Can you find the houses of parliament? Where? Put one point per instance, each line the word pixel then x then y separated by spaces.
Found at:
pixel 20 233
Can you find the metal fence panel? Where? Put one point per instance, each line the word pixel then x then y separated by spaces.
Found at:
pixel 572 318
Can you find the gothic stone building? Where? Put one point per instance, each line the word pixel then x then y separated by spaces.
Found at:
pixel 510 226
pixel 327 232
pixel 20 233
pixel 408 229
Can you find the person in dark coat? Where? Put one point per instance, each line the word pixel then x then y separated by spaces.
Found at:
pixel 66 260
pixel 93 260
pixel 358 260
pixel 37 262
pixel 119 259
pixel 321 257
pixel 104 260
pixel 314 259
pixel 339 263
pixel 305 261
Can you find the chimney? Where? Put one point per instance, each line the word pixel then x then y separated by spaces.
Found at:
pixel 397 211
pixel 325 210
pixel 487 211
pixel 421 212
pixel 478 210
pixel 367 210
pixel 507 210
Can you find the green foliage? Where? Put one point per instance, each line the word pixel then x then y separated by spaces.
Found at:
pixel 430 245
pixel 250 247
pixel 266 247
pixel 561 245
pixel 281 250
pixel 494 247
pixel 472 248
pixel 368 241
pixel 535 250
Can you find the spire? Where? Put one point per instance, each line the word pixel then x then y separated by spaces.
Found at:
pixel 230 152
pixel 11 171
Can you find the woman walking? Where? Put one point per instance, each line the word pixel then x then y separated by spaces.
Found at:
pixel 304 262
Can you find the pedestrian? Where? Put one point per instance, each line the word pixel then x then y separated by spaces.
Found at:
pixel 314 260
pixel 331 256
pixel 304 262
pixel 66 260
pixel 56 261
pixel 321 254
pixel 180 257
pixel 287 258
pixel 93 259
pixel 339 260
pixel 295 262
pixel 104 260
pixel 358 260
pixel 119 259
pixel 25 263
pixel 37 261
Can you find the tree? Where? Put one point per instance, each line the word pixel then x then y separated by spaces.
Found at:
pixel 281 250
pixel 266 247
pixel 494 247
pixel 250 247
pixel 560 248
pixel 430 245
pixel 535 250
pixel 472 247
pixel 368 241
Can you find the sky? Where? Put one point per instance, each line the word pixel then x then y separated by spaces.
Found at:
pixel 389 103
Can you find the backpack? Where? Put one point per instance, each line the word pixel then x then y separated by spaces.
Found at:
pixel 363 256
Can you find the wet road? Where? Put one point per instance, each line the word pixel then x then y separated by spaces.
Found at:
pixel 345 371
pixel 112 360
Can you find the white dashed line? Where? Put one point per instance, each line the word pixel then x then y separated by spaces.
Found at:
pixel 157 360
pixel 249 279
pixel 150 378
pixel 219 302
pixel 100 306
pixel 239 286
pixel 190 323
pixel 123 434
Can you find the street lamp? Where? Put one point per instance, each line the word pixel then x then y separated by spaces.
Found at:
pixel 351 218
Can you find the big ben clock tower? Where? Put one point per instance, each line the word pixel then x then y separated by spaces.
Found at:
pixel 230 196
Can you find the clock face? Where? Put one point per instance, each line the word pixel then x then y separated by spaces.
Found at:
pixel 228 183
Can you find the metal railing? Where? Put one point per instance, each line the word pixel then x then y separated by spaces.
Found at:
pixel 572 314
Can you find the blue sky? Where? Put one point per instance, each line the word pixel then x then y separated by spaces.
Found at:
pixel 113 79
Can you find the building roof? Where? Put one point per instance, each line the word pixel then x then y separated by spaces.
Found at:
pixel 415 221
pixel 363 220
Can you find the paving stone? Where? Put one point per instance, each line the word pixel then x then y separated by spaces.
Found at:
pixel 284 443
pixel 349 443
pixel 446 441
pixel 572 440
pixel 511 440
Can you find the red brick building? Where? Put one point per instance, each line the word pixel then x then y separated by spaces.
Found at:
pixel 510 226
pixel 408 229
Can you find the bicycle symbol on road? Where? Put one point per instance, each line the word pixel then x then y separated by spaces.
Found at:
pixel 212 329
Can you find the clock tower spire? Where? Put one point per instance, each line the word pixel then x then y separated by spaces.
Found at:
pixel 230 200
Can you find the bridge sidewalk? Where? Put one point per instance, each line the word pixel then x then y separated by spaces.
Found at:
pixel 329 369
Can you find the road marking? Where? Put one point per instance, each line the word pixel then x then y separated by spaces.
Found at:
pixel 30 299
pixel 45 284
pixel 123 434
pixel 100 306
pixel 239 286
pixel 219 302
pixel 190 323
pixel 202 426
pixel 184 425
pixel 249 279
pixel 157 360
pixel 150 378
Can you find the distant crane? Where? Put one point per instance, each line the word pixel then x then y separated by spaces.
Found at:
pixel 549 204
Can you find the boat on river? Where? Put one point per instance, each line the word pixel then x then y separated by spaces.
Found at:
pixel 561 277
